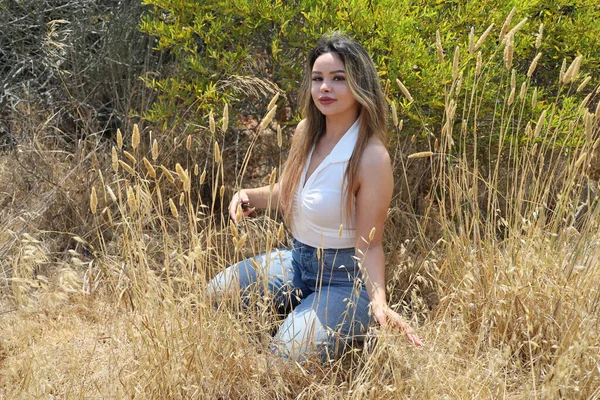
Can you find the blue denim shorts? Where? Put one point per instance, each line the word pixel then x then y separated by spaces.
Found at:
pixel 322 291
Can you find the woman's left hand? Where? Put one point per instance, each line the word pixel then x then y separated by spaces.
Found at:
pixel 386 317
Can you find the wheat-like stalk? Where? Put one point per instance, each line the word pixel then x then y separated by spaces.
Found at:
pixel 135 137
pixel 404 90
pixel 482 38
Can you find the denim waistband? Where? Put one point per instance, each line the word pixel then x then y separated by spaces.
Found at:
pixel 299 246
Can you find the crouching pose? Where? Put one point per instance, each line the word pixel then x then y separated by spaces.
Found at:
pixel 334 191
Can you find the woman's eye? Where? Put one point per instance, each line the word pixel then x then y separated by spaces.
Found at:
pixel 317 79
pixel 339 78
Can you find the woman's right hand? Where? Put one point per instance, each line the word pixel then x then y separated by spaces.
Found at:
pixel 237 200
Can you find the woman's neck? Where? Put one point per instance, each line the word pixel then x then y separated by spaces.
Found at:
pixel 337 126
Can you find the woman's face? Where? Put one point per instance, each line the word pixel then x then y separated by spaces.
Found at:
pixel 329 89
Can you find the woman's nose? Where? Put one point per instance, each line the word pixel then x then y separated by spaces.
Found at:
pixel 324 87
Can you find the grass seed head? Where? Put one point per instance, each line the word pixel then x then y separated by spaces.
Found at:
pixel 211 122
pixel 506 24
pixel 130 157
pixel 404 90
pixel 126 167
pixel 511 96
pixel 93 200
pixel 472 40
pixel 421 154
pixel 154 150
pixel 149 168
pixel 459 83
pixel 585 101
pixel 573 70
pixel 196 170
pixel 523 91
pixel 225 124
pixel 482 38
pixel 455 63
pixel 534 98
pixel 203 177
pixel 438 46
pixel 394 114
pixel 279 137
pixel 188 142
pixel 478 63
pixel 267 119
pixel 540 124
pixel 187 185
pixel 539 36
pixel 596 144
pixel 513 84
pixel 509 51
pixel 273 178
pixel 108 215
pixel 580 161
pixel 563 69
pixel 119 139
pixel 167 174
pixel 239 213
pixel 273 102
pixel 173 208
pixel 181 172
pixel 514 30
pixel 529 130
pixel 588 123
pixel 115 160
pixel 241 242
pixel 217 151
pixel 234 230
pixel 135 137
pixel 131 200
pixel 583 84
pixel 533 65
pixel 111 194
pixel 181 199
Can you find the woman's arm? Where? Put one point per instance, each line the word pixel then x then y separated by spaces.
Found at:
pixel 260 197
pixel 373 197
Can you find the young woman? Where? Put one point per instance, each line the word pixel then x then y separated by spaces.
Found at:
pixel 335 191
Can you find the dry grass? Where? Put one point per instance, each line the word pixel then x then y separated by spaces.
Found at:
pixel 500 275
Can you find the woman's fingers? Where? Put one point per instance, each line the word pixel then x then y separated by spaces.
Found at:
pixel 415 339
pixel 239 207
pixel 396 321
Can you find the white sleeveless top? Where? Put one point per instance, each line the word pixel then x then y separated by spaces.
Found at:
pixel 319 206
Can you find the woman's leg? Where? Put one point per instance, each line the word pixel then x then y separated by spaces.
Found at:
pixel 272 272
pixel 324 323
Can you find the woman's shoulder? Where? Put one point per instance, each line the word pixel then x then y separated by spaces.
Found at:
pixel 375 154
pixel 301 125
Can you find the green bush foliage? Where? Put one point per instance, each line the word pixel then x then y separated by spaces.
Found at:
pixel 217 44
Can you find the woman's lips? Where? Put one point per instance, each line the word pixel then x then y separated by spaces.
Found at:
pixel 326 100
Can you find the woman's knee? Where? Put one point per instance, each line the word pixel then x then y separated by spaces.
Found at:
pixel 305 337
pixel 234 279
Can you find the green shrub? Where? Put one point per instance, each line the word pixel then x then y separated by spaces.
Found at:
pixel 216 44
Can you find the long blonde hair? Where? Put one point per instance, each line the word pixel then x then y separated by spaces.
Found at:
pixel 365 85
